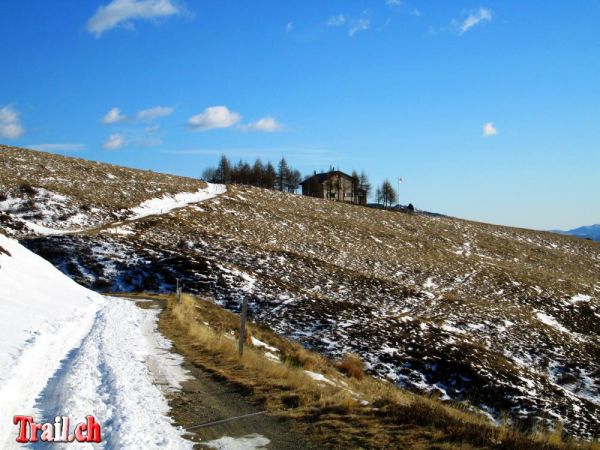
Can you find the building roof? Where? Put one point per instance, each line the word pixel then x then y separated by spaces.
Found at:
pixel 321 177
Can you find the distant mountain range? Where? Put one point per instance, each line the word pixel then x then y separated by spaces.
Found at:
pixel 588 232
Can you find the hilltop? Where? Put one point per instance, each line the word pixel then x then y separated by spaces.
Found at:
pixel 503 320
pixel 71 194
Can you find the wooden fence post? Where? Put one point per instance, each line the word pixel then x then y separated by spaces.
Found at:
pixel 243 325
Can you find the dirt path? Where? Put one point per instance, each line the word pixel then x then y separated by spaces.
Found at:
pixel 207 398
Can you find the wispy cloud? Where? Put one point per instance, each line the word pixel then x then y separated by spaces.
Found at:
pixel 214 117
pixel 10 123
pixel 289 27
pixel 358 25
pixel 114 142
pixel 336 21
pixel 489 129
pixel 124 12
pixel 113 116
pixel 393 2
pixel 474 18
pixel 58 147
pixel 266 124
pixel 154 113
pixel 151 129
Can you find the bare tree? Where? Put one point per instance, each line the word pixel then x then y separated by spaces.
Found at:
pixel 258 173
pixel 294 179
pixel 378 195
pixel 364 183
pixel 355 187
pixel 388 193
pixel 210 175
pixel 283 174
pixel 223 172
pixel 270 176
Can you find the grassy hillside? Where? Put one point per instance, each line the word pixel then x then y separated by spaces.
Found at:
pixel 502 319
pixel 333 403
pixel 69 193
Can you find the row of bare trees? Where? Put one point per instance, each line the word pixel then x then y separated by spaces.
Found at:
pixel 386 194
pixel 284 178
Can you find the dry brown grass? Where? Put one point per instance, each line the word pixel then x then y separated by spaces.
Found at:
pixel 355 412
pixel 352 365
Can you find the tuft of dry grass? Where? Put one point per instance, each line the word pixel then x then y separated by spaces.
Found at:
pixel 352 365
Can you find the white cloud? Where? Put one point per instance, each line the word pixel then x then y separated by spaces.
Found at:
pixel 154 113
pixel 123 12
pixel 474 18
pixel 113 116
pixel 393 2
pixel 114 142
pixel 58 147
pixel 359 25
pixel 489 129
pixel 266 124
pixel 214 117
pixel 336 21
pixel 289 27
pixel 10 124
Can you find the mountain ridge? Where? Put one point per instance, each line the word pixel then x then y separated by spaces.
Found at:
pixel 591 232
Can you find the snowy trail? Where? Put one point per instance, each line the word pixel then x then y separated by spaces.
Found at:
pixel 168 203
pixel 153 207
pixel 44 315
pixel 65 350
pixel 120 374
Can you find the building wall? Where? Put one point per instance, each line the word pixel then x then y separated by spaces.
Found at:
pixel 337 188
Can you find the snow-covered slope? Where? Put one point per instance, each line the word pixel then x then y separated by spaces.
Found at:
pixel 66 350
pixel 44 315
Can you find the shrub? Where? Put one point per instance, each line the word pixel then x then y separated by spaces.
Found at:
pixel 352 365
pixel 27 189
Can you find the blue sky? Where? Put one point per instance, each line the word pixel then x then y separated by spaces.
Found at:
pixel 489 110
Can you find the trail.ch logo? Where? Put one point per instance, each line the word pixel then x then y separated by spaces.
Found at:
pixel 57 431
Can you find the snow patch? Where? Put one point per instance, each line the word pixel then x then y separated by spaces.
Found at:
pixel 253 441
pixel 167 203
pixel 551 322
pixel 318 377
pixel 258 343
